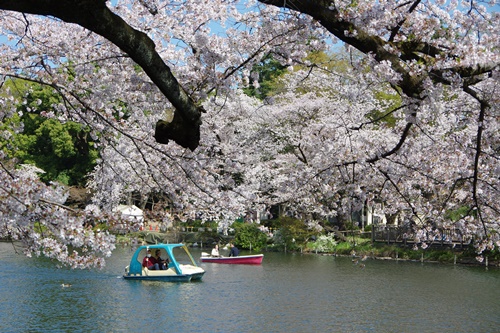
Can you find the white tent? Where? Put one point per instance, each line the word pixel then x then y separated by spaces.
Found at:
pixel 130 212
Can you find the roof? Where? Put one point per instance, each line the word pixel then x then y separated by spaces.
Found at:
pixel 131 210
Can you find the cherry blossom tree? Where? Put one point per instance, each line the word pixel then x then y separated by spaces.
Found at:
pixel 328 137
pixel 35 213
pixel 112 65
pixel 420 46
pixel 142 73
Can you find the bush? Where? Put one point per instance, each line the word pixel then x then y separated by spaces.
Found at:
pixel 292 234
pixel 249 236
pixel 324 243
pixel 343 248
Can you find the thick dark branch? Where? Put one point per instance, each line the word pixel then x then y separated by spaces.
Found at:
pixel 395 149
pixel 480 126
pixel 302 157
pixel 329 18
pixel 95 16
pixel 58 205
pixel 412 85
pixel 6 170
pixel 374 159
pixel 378 119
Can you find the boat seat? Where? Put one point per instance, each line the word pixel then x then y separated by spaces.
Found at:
pixel 148 272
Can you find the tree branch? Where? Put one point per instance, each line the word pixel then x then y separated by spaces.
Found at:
pixel 96 17
pixel 480 125
pixel 411 84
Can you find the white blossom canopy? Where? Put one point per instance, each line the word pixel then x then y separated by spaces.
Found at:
pixel 143 73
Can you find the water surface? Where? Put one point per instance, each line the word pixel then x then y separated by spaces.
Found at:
pixel 287 293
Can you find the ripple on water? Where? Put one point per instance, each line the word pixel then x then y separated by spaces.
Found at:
pixel 287 293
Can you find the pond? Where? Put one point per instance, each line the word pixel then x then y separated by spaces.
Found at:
pixel 287 293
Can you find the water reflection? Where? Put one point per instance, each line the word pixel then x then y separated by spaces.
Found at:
pixel 287 293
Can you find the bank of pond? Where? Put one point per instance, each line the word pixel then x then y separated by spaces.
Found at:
pixel 358 247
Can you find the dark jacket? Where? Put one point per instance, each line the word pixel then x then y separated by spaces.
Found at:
pixel 234 252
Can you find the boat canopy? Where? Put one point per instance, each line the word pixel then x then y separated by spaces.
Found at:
pixel 178 254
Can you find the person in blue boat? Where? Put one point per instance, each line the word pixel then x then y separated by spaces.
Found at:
pixel 150 262
pixel 234 251
pixel 163 263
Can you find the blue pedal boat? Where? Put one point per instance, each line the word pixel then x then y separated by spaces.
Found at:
pixel 182 266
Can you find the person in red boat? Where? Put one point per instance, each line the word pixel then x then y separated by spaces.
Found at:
pixel 215 251
pixel 234 251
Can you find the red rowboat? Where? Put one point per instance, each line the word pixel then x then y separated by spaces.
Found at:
pixel 255 259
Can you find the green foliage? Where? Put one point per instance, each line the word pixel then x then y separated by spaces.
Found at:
pixel 102 226
pixel 350 225
pixel 268 70
pixel 39 228
pixel 385 116
pixel 64 151
pixel 343 248
pixel 353 243
pixel 328 61
pixel 331 62
pixel 440 255
pixel 457 214
pixel 292 234
pixel 249 236
pixel 340 63
pixel 382 250
pixel 445 256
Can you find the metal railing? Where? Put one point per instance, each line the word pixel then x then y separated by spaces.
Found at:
pixel 407 236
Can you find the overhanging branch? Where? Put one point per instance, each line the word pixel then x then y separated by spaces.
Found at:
pixel 95 16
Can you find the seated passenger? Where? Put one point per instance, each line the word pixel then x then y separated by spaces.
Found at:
pixel 234 251
pixel 163 263
pixel 215 251
pixel 150 262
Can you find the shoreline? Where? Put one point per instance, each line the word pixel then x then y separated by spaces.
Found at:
pixel 471 262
